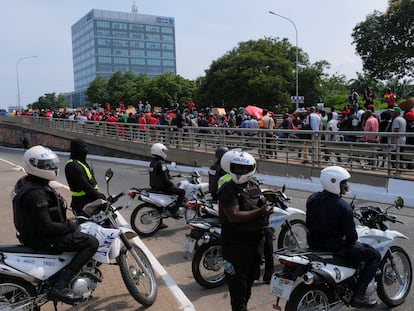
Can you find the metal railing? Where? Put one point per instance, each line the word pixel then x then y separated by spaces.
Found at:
pixel 286 146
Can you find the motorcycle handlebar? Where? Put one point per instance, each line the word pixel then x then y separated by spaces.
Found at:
pixel 113 199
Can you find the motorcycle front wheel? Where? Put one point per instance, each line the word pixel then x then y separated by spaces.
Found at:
pixel 293 235
pixel 139 278
pixel 15 294
pixel 310 297
pixel 394 280
pixel 207 265
pixel 146 220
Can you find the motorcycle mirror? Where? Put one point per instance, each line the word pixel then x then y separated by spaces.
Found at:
pixel 108 175
pixel 399 202
pixel 283 188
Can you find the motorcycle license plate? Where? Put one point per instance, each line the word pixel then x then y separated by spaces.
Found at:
pixel 280 287
pixel 189 244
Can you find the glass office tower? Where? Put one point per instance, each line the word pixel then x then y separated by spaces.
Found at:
pixel 104 42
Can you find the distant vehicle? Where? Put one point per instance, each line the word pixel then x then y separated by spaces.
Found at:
pixel 3 112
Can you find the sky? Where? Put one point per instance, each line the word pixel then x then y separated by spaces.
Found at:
pixel 205 31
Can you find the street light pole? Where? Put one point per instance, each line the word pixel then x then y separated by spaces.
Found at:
pixel 296 66
pixel 17 75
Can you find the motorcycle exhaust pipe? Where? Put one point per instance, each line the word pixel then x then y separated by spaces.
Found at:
pixel 308 278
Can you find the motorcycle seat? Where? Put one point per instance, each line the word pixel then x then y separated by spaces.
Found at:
pixel 213 221
pixel 18 248
pixel 324 256
pixel 150 190
pixel 332 258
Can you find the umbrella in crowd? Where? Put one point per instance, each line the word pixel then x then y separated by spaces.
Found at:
pixel 254 111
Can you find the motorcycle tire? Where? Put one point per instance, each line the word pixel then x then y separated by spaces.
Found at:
pixel 390 290
pixel 146 220
pixel 289 233
pixel 141 283
pixel 310 297
pixel 207 265
pixel 14 293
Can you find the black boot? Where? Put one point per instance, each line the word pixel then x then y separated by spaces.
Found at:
pixel 175 214
pixel 362 301
pixel 60 290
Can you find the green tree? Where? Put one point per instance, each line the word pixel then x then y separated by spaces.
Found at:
pixel 122 87
pixel 49 101
pixel 260 73
pixel 97 91
pixel 385 41
pixel 168 88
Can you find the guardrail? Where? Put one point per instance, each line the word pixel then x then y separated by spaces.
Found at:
pixel 286 146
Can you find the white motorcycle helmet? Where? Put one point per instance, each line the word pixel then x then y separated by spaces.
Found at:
pixel 334 179
pixel 41 162
pixel 160 150
pixel 226 158
pixel 242 167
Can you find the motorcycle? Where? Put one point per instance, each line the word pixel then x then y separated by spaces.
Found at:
pixel 147 218
pixel 200 208
pixel 26 275
pixel 207 263
pixel 204 238
pixel 327 282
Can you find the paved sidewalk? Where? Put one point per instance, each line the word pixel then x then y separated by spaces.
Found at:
pixel 111 294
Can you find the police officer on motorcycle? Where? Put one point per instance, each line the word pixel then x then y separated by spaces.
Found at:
pixel 242 218
pixel 160 178
pixel 40 219
pixel 80 177
pixel 215 172
pixel 331 226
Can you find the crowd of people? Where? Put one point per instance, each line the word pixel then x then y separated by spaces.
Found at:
pixel 354 117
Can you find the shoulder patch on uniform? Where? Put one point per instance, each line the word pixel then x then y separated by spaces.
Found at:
pixel 164 167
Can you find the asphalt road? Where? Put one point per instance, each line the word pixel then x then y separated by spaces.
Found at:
pixel 166 245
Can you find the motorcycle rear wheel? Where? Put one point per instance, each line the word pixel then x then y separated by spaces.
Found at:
pixel 310 297
pixel 141 284
pixel 288 236
pixel 207 265
pixel 390 290
pixel 146 220
pixel 14 293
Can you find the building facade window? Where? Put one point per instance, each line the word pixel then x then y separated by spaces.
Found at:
pixel 104 60
pixel 121 60
pixel 137 61
pixel 138 53
pixel 151 28
pixel 104 51
pixel 120 34
pixel 120 43
pixel 119 26
pixel 103 24
pixel 153 62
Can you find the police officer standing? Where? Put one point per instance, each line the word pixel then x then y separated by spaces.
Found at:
pixel 80 177
pixel 40 219
pixel 215 172
pixel 331 226
pixel 242 216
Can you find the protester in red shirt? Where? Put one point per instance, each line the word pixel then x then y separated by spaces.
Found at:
pixel 142 127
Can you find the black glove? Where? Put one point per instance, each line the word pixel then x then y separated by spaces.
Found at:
pixel 101 196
